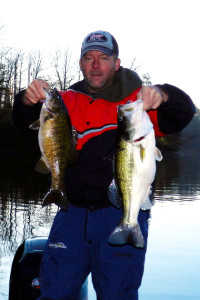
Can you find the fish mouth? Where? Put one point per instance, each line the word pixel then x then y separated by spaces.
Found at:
pixel 49 109
pixel 44 101
pixel 139 139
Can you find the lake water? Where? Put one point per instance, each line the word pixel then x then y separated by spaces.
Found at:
pixel 172 269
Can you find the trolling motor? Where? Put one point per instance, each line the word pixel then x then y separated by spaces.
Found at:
pixel 24 276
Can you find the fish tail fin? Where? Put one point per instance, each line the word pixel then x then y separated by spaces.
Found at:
pixel 125 234
pixel 55 196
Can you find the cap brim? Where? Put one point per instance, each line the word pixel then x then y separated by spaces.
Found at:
pixel 98 48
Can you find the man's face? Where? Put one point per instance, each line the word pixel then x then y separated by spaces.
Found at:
pixel 98 69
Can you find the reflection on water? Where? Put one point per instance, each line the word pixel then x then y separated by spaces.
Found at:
pixel 172 269
pixel 21 194
pixel 21 216
pixel 178 177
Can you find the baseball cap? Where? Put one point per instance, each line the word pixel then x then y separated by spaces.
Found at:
pixel 102 41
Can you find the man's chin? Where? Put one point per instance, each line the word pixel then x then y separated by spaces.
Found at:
pixel 95 87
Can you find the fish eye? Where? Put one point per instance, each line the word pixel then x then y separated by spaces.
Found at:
pixel 46 118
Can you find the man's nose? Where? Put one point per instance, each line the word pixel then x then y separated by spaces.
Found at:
pixel 96 63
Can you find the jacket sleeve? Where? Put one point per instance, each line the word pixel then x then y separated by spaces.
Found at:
pixel 177 112
pixel 23 116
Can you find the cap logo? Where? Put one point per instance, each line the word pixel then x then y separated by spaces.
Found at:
pixel 96 37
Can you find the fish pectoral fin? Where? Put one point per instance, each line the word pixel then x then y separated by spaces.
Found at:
pixel 74 136
pixel 41 167
pixel 124 234
pixel 35 125
pixel 142 152
pixel 74 154
pixel 158 154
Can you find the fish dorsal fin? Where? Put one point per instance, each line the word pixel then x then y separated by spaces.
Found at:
pixel 41 167
pixel 35 125
pixel 158 154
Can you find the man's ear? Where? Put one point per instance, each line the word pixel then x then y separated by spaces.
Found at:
pixel 117 64
pixel 80 64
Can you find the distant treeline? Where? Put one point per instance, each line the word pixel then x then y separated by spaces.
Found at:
pixel 185 142
pixel 18 69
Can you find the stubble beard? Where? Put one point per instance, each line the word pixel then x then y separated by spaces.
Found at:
pixel 100 85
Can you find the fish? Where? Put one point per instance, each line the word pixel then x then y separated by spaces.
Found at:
pixel 57 145
pixel 135 169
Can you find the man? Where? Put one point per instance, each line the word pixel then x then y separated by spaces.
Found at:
pixel 83 229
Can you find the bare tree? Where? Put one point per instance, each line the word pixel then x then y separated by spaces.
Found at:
pixel 2 76
pixel 20 72
pixel 77 72
pixel 64 69
pixel 133 65
pixel 15 73
pixel 146 79
pixel 8 87
pixel 34 66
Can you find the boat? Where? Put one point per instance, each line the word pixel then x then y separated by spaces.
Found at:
pixel 24 276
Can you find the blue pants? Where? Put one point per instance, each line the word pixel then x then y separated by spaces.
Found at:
pixel 78 245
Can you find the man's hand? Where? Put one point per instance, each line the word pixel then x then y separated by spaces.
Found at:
pixel 35 92
pixel 152 97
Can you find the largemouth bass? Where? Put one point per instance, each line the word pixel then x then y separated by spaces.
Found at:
pixel 135 169
pixel 56 145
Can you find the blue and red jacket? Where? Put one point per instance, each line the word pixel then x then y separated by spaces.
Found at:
pixel 91 118
pixel 95 119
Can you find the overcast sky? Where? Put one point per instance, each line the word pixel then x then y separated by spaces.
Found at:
pixel 163 36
